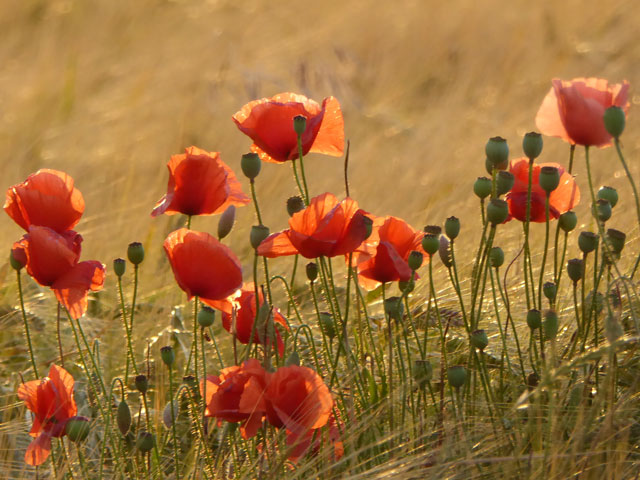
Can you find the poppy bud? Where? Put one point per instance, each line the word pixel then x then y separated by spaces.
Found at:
pixel 422 372
pixel 550 325
pixel 452 227
pixel 135 253
pixel 504 182
pixel 496 257
pixel 368 224
pixel 142 383
pixel 77 428
pixel 587 241
pixel 299 124
pixel 225 224
pixel 501 166
pixel 326 324
pixel 145 442
pixel 123 417
pixel 168 355
pixel 482 187
pixel 534 319
pixel 294 205
pixel 17 259
pixel 550 291
pixel 574 269
pixel 497 211
pixel 549 178
pixel 406 287
pixel 257 235
pixel 433 229
pixel 568 221
pixel 293 358
pixel 250 165
pixel 616 239
pixel 533 379
pixel 415 260
pixel 119 266
pixel 206 316
pixel 312 271
pixel 394 308
pixel 479 339
pixel 430 243
pixel 609 193
pixel 603 210
pixel 457 376
pixel 497 150
pixel 444 251
pixel 614 121
pixel 532 145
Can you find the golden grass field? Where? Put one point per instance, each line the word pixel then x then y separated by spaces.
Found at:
pixel 108 90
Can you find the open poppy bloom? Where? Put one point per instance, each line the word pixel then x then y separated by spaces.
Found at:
pixel 52 260
pixel 202 265
pixel 561 200
pixel 52 403
pixel 573 110
pixel 298 399
pixel 46 198
pixel 238 395
pixel 199 184
pixel 244 303
pixel 384 257
pixel 325 228
pixel 314 440
pixel 269 123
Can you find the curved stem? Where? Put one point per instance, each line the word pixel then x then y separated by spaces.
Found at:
pixel 26 325
pixel 255 200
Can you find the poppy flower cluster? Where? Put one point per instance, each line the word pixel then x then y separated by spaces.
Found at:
pixel 52 403
pixel 293 397
pixel 47 206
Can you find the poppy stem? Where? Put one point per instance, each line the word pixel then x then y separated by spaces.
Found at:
pixel 189 222
pixel 59 336
pixel 26 325
pixel 300 188
pixel 255 200
pixel 173 421
pixel 346 169
pixel 83 463
pixel 127 333
pixel 304 178
pixel 133 311
pixel 546 246
pixel 527 251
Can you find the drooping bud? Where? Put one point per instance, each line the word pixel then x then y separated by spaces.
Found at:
pixel 549 178
pixel 504 182
pixel 609 193
pixel 168 355
pixel 452 227
pixel 457 376
pixel 532 145
pixel 614 121
pixel 415 260
pixel 295 205
pixel 603 210
pixel 430 243
pixel 479 339
pixel 250 165
pixel 534 319
pixel 135 253
pixel 587 241
pixel 568 221
pixel 119 266
pixel 422 372
pixel 17 259
pixel 550 324
pixel 444 250
pixel 145 442
pixel 206 316
pixel 496 257
pixel 299 124
pixel 497 150
pixel 497 211
pixel 142 383
pixel 394 308
pixel 227 219
pixel 293 359
pixel 616 239
pixel 327 325
pixel 482 187
pixel 123 417
pixel 550 291
pixel 312 271
pixel 575 268
pixel 257 235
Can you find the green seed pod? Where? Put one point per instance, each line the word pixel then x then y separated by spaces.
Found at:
pixel 257 235
pixel 575 268
pixel 504 182
pixel 496 257
pixel 609 193
pixel 616 239
pixel 587 241
pixel 433 229
pixel 119 266
pixel 497 211
pixel 206 316
pixel 250 165
pixel 550 291
pixel 293 359
pixel 501 166
pixel 534 319
pixel 77 428
pixel 17 259
pixel 497 150
pixel 415 260
pixel 550 324
pixel 603 210
pixel 123 417
pixel 532 145
pixel 168 355
pixel 295 205
pixel 299 124
pixel 327 325
pixel 422 372
pixel 568 221
pixel 227 219
pixel 135 253
pixel 614 121
pixel 142 383
pixel 482 187
pixel 444 250
pixel 406 287
pixel 394 308
pixel 457 376
pixel 479 339
pixel 452 227
pixel 549 178
pixel 145 442
pixel 312 271
pixel 430 243
pixel 368 224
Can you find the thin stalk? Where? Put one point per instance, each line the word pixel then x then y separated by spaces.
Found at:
pixel 304 178
pixel 26 325
pixel 544 252
pixel 300 187
pixel 527 220
pixel 127 332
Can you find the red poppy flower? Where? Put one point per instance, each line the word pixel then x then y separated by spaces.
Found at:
pixel 244 303
pixel 573 110
pixel 52 403
pixel 199 184
pixel 46 198
pixel 269 123
pixel 298 399
pixel 52 261
pixel 384 259
pixel 325 228
pixel 561 200
pixel 313 441
pixel 237 395
pixel 202 265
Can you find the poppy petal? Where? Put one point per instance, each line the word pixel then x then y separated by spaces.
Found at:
pixel 72 288
pixel 38 450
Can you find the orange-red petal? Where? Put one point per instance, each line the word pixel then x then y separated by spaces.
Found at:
pixel 72 288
